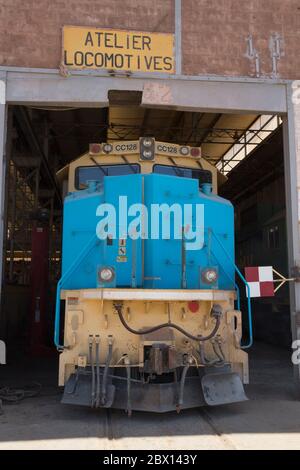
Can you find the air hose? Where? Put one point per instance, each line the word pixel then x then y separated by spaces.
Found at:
pixel 92 369
pixel 216 312
pixel 105 373
pixel 206 362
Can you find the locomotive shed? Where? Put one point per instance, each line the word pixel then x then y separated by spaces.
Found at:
pixel 243 113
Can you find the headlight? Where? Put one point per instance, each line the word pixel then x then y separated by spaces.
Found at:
pixel 107 148
pixel 147 154
pixel 147 142
pixel 147 148
pixel 106 274
pixel 210 276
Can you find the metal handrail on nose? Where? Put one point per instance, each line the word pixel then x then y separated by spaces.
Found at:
pixel 61 283
pixel 250 322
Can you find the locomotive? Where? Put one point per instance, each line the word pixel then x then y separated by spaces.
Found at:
pixel 148 319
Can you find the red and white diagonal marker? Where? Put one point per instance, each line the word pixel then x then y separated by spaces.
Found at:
pixel 261 281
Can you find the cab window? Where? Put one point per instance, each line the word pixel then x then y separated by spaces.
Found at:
pixel 83 174
pixel 203 176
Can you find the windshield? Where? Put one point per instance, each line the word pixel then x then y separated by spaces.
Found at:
pixel 83 174
pixel 203 176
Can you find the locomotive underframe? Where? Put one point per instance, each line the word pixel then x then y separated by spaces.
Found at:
pixel 104 364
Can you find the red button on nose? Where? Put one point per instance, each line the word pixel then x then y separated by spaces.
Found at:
pixel 193 306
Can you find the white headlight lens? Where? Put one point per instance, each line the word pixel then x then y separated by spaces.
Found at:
pixel 147 142
pixel 147 154
pixel 211 276
pixel 106 274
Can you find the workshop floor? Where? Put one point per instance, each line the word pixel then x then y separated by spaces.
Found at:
pixel 269 420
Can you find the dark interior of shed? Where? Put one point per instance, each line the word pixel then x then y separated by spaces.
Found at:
pixel 43 140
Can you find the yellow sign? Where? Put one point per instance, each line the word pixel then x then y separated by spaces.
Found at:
pixel 95 48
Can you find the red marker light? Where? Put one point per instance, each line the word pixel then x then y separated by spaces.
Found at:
pixel 95 149
pixel 195 152
pixel 193 306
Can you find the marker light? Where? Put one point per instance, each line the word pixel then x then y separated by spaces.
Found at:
pixel 107 148
pixel 106 274
pixel 94 149
pixel 184 151
pixel 195 152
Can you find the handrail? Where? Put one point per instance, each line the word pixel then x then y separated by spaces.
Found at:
pixel 250 342
pixel 238 300
pixel 60 284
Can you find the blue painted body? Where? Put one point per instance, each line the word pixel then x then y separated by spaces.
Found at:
pixel 162 258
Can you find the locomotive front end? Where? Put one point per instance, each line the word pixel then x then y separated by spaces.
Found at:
pixel 145 315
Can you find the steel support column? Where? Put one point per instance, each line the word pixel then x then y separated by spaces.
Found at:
pixel 291 129
pixel 178 36
pixel 9 144
pixel 3 113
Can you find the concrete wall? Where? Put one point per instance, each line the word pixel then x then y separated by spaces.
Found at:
pixel 213 40
pixel 215 31
pixel 30 34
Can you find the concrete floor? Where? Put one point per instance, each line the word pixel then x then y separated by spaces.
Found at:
pixel 270 420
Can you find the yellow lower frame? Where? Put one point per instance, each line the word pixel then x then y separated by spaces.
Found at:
pixel 91 312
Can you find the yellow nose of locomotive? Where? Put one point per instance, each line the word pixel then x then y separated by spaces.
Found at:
pixel 149 315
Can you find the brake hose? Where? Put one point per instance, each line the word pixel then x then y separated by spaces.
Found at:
pixel 216 313
pixel 105 373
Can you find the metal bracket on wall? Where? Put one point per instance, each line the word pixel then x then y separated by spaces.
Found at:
pixel 295 272
pixel 253 55
pixel 282 280
pixel 276 52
